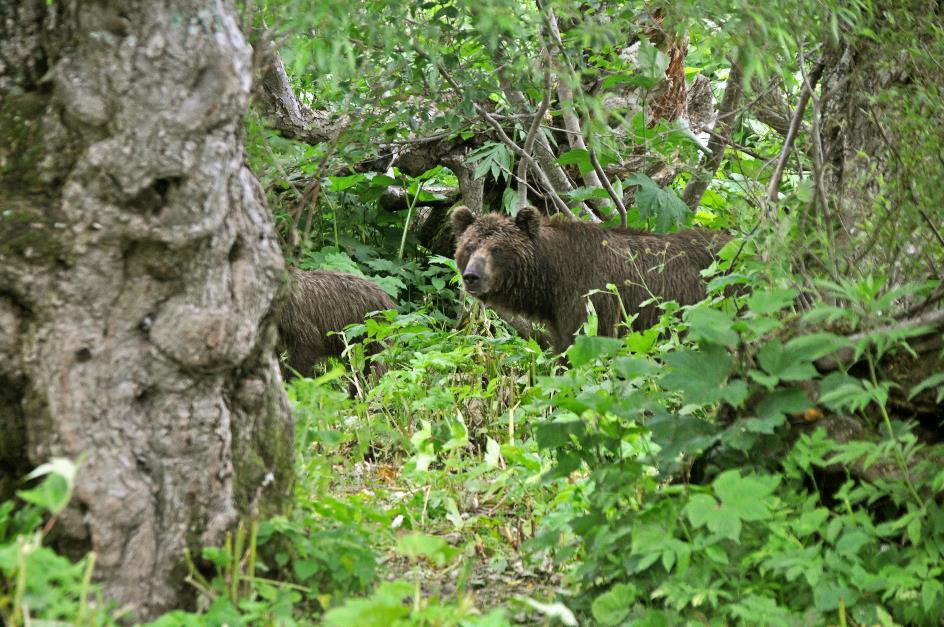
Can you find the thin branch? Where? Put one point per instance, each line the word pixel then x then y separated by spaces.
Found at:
pixel 518 150
pixel 522 201
pixel 544 154
pixel 601 173
pixel 808 86
pixel 733 93
pixel 279 105
pixel 565 96
pixel 503 136
pixel 911 192
pixel 737 146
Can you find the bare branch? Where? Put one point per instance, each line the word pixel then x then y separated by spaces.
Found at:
pixel 522 200
pixel 808 87
pixel 544 155
pixel 733 93
pixel 280 107
pixel 620 207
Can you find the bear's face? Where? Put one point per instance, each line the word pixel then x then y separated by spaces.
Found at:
pixel 493 251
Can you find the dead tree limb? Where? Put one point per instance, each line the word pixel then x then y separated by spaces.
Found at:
pixel 806 92
pixel 733 92
pixel 279 106
pixel 532 135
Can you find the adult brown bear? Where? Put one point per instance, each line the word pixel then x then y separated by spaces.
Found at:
pixel 319 303
pixel 543 269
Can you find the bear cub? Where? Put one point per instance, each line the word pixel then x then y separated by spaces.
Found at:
pixel 321 302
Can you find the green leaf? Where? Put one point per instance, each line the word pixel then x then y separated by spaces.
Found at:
pixel 304 568
pixel 558 432
pixel 699 375
pixel 934 381
pixel 745 496
pixel 781 402
pixel 827 594
pixel 931 590
pixel 702 508
pixel 611 607
pixel 382 609
pixel 770 300
pixel 663 204
pixel 851 541
pixel 341 183
pixel 581 194
pixel 833 529
pixel 681 434
pixel 55 491
pixel 810 522
pixel 710 325
pixel 433 548
pixel 785 363
pixel 589 347
pixel 630 368
pixel 579 157
pixel 651 63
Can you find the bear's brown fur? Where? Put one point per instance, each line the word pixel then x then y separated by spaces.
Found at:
pixel 321 302
pixel 543 269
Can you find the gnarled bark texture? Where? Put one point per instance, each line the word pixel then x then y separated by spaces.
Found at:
pixel 137 271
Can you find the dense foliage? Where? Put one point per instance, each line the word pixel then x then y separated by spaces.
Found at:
pixel 701 471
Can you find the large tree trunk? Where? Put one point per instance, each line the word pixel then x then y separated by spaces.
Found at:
pixel 138 267
pixel 872 150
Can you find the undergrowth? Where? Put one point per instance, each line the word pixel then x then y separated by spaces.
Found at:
pixel 682 474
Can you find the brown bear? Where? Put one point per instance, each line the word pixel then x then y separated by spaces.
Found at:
pixel 543 269
pixel 321 302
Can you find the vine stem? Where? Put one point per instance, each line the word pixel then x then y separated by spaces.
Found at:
pixel 891 433
pixel 409 214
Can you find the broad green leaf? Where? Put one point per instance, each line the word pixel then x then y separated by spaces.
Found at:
pixel 681 434
pixel 611 607
pixel 710 325
pixel 384 608
pixel 699 375
pixel 810 522
pixel 586 348
pixel 558 432
pixel 55 491
pixel 745 496
pixel 433 548
pixel 770 300
pixel 579 157
pixel 785 401
pixel 663 204
pixel 651 63
pixel 786 363
pixel 702 508
pixel 631 368
pixel 341 183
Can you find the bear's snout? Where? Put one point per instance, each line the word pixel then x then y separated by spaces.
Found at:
pixel 473 277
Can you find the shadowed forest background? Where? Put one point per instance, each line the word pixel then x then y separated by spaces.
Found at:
pixel 770 455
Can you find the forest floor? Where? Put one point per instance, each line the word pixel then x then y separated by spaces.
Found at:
pixel 489 569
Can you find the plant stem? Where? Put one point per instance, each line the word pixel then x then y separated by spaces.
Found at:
pixel 891 434
pixel 409 214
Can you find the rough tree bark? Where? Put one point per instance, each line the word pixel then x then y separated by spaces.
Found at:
pixel 138 267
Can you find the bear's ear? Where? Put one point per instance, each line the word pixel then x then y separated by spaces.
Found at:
pixel 528 220
pixel 462 219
